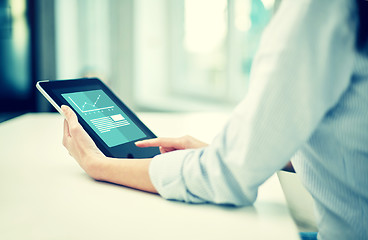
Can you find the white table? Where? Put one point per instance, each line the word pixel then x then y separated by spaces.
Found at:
pixel 44 194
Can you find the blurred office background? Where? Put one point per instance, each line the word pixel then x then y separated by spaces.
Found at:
pixel 156 55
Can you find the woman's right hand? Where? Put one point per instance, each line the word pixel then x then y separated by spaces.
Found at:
pixel 172 144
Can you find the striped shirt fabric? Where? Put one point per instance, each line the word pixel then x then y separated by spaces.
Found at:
pixel 308 102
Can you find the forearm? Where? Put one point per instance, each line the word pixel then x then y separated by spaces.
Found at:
pixel 132 173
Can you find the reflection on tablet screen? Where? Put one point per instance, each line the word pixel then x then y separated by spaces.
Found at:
pixel 112 125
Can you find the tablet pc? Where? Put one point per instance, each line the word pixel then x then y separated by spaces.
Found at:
pixel 108 121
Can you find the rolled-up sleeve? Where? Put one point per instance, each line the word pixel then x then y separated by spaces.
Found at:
pixel 303 66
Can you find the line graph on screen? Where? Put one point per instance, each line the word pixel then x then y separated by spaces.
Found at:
pixel 89 106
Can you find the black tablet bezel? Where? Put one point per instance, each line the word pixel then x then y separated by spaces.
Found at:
pixel 55 88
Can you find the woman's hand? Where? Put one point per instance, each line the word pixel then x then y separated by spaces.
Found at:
pixel 79 144
pixel 133 173
pixel 172 144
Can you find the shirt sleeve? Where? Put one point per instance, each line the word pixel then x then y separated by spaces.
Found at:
pixel 302 68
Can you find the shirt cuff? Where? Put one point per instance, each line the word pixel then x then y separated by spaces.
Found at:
pixel 166 175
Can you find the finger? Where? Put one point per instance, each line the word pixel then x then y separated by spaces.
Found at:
pixel 66 129
pixel 163 142
pixel 168 149
pixel 71 118
pixel 162 150
pixel 66 135
pixel 148 143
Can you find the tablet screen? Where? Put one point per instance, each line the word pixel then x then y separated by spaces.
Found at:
pixel 98 110
pixel 107 120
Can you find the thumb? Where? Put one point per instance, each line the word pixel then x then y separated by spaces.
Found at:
pixel 70 116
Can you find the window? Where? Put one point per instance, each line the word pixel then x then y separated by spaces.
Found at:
pixel 197 53
pixel 163 54
pixel 82 38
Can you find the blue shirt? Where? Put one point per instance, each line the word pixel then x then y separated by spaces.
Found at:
pixel 308 102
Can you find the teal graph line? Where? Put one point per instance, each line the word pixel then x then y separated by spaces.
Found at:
pixel 93 105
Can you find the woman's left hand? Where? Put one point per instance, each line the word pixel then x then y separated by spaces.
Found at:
pixel 79 144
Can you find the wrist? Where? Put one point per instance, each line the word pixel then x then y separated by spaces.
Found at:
pixel 94 166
